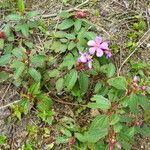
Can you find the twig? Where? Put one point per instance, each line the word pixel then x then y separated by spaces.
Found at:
pixel 57 24
pixel 58 20
pixel 101 28
pixel 63 102
pixel 140 42
pixel 60 101
pixel 69 10
pixel 5 92
pixel 10 104
pixel 148 18
pixel 68 103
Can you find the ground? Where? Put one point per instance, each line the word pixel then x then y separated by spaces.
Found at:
pixel 113 19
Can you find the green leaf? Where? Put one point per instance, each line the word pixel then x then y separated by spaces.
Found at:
pixel 59 85
pixel 133 103
pixel 63 40
pixel 54 73
pixel 65 131
pixel 8 48
pixel 25 104
pixel 81 42
pixel 108 69
pixel 113 94
pixel 80 137
pixel 101 121
pixel 65 14
pixel 77 25
pixel 96 65
pixel 95 135
pixel 98 86
pixel 1 44
pixel 126 145
pixel 115 118
pixel 111 70
pixel 27 146
pixel 32 14
pixel 21 6
pixel 70 36
pixel 148 89
pixel 145 130
pixel 101 102
pixel 3 76
pixel 19 66
pixel 118 127
pixel 71 79
pixel 34 24
pixel 17 113
pixel 144 102
pixel 25 30
pixel 5 59
pixel 83 82
pixel 3 140
pixel 14 17
pixel 35 74
pixel 88 24
pixel 98 129
pixel 38 60
pixel 69 61
pixel 142 25
pixel 119 83
pixel 19 52
pixel 62 140
pixel 35 88
pixel 71 45
pixel 60 34
pixel 44 103
pixel 66 24
pixel 90 35
pixel 59 47
pixel 139 65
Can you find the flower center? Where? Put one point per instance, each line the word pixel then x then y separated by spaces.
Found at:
pixel 97 44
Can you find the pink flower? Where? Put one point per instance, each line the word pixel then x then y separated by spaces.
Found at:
pixel 99 47
pixel 118 145
pixel 143 88
pixel 85 58
pixel 108 53
pixel 81 14
pixel 136 79
pixel 115 144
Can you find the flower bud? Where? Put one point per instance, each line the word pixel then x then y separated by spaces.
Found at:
pixel 143 88
pixel 81 14
pixel 136 79
pixel 118 145
pixel 2 35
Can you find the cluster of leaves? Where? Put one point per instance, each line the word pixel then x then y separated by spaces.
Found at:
pixel 138 28
pixel 24 64
pixel 121 113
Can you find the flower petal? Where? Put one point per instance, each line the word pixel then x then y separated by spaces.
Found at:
pixel 92 50
pixel 79 60
pixel 90 64
pixel 104 46
pixel 108 54
pixel 83 58
pixel 91 43
pixel 136 79
pixel 99 53
pixel 98 40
